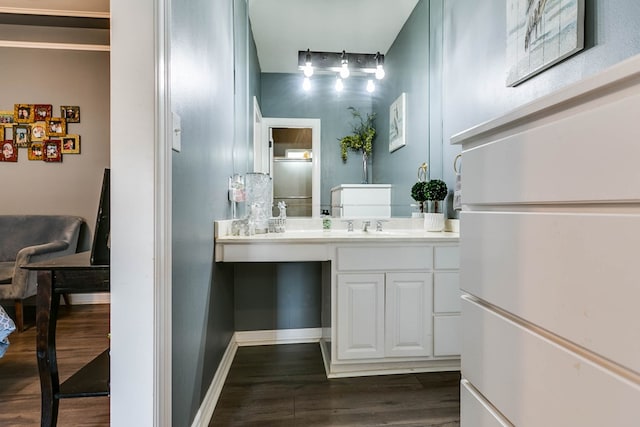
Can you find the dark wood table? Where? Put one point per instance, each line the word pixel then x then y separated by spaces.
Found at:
pixel 71 274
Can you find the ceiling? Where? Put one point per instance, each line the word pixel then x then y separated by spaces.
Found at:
pixel 281 28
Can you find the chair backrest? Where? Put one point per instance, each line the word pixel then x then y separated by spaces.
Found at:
pixel 100 253
pixel 19 231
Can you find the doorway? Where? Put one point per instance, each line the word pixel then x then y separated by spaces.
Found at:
pixel 293 147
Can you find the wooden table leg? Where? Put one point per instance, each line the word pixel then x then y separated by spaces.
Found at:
pixel 46 316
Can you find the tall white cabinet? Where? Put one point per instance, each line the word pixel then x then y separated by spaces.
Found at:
pixel 550 232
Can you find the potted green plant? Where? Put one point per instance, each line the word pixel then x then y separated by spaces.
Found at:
pixel 361 140
pixel 419 193
pixel 436 192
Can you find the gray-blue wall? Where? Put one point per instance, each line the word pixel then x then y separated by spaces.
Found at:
pixel 203 54
pixel 407 71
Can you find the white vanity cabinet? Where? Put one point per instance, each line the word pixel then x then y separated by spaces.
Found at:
pixel 361 201
pixel 396 308
pixel 384 315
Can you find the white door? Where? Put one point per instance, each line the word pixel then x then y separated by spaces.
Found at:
pixel 360 323
pixel 408 314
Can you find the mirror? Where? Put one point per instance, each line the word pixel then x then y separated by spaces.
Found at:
pixel 413 66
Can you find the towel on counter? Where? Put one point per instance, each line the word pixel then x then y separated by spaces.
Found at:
pixel 6 327
pixel 457 192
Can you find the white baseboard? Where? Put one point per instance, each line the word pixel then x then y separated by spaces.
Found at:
pixel 205 412
pixel 82 299
pixel 278 336
pixel 245 339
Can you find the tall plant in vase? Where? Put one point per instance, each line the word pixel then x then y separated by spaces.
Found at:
pixel 361 140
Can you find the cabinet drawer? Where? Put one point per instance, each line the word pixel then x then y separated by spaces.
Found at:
pixel 446 292
pixel 476 411
pixel 446 333
pixel 541 373
pixel 385 258
pixel 447 257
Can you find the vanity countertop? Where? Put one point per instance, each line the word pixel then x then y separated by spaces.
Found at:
pixel 305 240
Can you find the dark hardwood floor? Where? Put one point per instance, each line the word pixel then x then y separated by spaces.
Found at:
pixel 81 335
pixel 286 385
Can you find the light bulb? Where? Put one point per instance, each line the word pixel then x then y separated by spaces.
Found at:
pixel 344 71
pixel 379 72
pixel 306 84
pixel 339 85
pixel 308 69
pixel 370 86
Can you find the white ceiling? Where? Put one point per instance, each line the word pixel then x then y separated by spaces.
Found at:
pixel 283 27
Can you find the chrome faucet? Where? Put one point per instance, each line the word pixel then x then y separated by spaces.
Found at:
pixel 366 225
pixel 379 224
pixel 349 224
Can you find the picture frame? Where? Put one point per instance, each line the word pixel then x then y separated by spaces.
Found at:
pixel 38 131
pixel 51 150
pixel 56 126
pixel 6 117
pixel 540 34
pixel 22 135
pixel 71 113
pixel 41 112
pixel 398 123
pixel 9 151
pixel 7 132
pixel 23 113
pixel 71 144
pixel 35 151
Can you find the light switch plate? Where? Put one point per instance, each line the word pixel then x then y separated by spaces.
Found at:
pixel 177 131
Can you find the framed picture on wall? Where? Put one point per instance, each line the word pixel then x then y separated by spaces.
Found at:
pixel 7 132
pixel 6 117
pixel 38 131
pixel 22 135
pixel 23 113
pixel 398 123
pixel 35 151
pixel 42 111
pixel 71 144
pixel 56 126
pixel 52 150
pixel 540 34
pixel 71 113
pixel 9 151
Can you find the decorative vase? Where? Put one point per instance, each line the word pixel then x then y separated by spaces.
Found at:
pixel 365 172
pixel 434 217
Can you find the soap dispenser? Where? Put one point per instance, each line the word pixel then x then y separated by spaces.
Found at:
pixel 326 220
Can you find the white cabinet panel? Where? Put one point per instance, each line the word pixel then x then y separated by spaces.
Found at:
pixel 385 258
pixel 536 382
pixel 447 335
pixel 446 292
pixel 573 274
pixel 538 164
pixel 360 313
pixel 447 257
pixel 408 318
pixel 476 411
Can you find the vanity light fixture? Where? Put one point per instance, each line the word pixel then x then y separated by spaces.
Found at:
pixel 344 67
pixel 379 66
pixel 308 65
pixel 344 63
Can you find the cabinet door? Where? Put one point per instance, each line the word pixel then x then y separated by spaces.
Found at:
pixel 408 314
pixel 360 327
